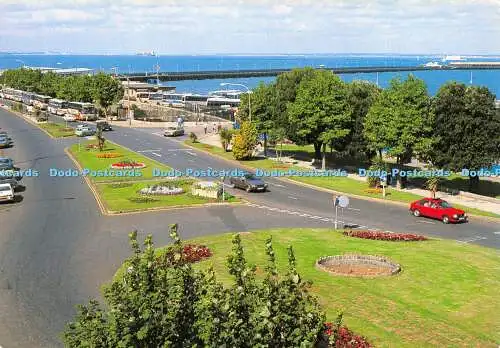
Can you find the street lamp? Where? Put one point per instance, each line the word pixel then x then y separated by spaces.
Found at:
pixel 249 93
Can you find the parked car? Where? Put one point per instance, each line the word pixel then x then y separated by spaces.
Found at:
pixel 6 193
pixel 5 142
pixel 173 131
pixel 5 134
pixel 436 208
pixel 84 131
pixel 248 182
pixel 104 126
pixel 6 163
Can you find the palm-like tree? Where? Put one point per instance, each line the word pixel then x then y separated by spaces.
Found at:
pixel 432 185
pixel 225 137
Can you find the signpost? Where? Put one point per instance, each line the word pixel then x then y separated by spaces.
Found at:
pixel 222 179
pixel 339 201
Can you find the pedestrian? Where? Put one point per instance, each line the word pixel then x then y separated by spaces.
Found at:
pixel 205 127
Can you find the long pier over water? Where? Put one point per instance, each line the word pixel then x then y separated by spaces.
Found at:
pixel 224 74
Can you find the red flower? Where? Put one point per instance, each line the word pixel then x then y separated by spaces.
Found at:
pixel 384 236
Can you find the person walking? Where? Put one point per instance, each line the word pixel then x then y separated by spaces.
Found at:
pixel 205 126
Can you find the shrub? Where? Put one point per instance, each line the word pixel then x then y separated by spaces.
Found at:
pixel 376 235
pixel 193 137
pixel 244 141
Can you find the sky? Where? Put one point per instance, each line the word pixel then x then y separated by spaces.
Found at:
pixel 251 26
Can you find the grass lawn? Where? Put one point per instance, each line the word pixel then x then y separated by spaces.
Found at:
pixel 57 130
pixel 446 295
pixel 341 184
pixel 124 197
pixel 88 159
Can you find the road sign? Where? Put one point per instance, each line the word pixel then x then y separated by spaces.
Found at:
pixel 343 201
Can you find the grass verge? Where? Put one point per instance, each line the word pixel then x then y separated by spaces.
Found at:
pixel 57 130
pixel 125 197
pixel 340 184
pixel 446 295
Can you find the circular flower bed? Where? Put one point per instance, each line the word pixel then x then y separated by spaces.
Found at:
pixel 128 165
pixel 358 265
pixel 161 190
pixel 376 235
pixel 109 155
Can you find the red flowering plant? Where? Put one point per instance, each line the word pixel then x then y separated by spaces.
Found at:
pixel 378 235
pixel 339 336
pixel 194 253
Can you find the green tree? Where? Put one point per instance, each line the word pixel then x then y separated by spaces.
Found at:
pixel 467 129
pixel 401 121
pixel 106 91
pixel 362 95
pixel 244 141
pixel 50 84
pixel 226 136
pixel 321 113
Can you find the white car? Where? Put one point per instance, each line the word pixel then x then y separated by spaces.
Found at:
pixel 84 131
pixel 6 193
pixel 69 118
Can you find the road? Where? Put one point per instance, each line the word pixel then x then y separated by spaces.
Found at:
pixel 56 249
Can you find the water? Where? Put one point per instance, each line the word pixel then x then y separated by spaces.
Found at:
pixel 131 63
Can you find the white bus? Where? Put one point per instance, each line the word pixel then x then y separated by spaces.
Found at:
pixel 12 94
pixel 58 107
pixel 82 111
pixel 28 98
pixel 180 100
pixel 41 101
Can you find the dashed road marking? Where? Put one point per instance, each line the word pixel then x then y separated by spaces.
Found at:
pixel 496 232
pixel 473 239
pixel 278 185
pixel 192 153
pixel 156 154
pixel 291 197
pixel 427 222
pixel 354 209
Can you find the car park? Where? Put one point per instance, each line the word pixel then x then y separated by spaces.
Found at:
pixel 84 131
pixel 248 182
pixel 173 131
pixel 439 209
pixel 6 193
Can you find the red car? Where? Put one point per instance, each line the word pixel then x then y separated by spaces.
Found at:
pixel 437 209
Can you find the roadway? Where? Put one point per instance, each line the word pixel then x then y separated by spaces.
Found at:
pixel 56 249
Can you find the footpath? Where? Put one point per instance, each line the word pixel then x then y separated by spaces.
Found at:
pixel 466 199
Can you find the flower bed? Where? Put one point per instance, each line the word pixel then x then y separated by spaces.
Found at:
pixel 192 253
pixel 92 147
pixel 207 189
pixel 376 235
pixel 161 190
pixel 373 190
pixel 109 155
pixel 128 165
pixel 345 338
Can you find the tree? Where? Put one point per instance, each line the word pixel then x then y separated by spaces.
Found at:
pixel 467 129
pixel 264 107
pixel 362 95
pixel 432 184
pixel 401 121
pixel 100 139
pixel 106 91
pixel 50 84
pixel 244 141
pixel 225 137
pixel 321 113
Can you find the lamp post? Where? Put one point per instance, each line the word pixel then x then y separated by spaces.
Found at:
pixel 249 97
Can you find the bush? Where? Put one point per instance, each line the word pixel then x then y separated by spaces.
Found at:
pixel 244 141
pixel 193 137
pixel 161 301
pixel 385 236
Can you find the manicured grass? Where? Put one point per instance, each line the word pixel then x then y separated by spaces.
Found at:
pixel 446 295
pixel 88 159
pixel 341 184
pixel 57 130
pixel 124 197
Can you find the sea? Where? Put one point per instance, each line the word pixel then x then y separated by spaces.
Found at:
pixel 172 63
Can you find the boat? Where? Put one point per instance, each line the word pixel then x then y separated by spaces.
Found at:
pixel 433 65
pixel 149 54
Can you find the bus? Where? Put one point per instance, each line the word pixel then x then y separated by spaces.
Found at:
pixel 222 102
pixel 58 107
pixel 82 111
pixel 12 94
pixel 28 98
pixel 41 101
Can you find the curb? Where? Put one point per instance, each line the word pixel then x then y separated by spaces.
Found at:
pixel 100 204
pixel 371 199
pixel 26 118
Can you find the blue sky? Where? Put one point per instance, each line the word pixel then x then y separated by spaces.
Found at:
pixel 251 26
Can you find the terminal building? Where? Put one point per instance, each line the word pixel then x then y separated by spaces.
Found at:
pixel 142 90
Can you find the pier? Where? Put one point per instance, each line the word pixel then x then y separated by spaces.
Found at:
pixel 226 74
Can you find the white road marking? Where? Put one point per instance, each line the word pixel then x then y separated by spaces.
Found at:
pixel 496 232
pixel 192 153
pixel 427 222
pixel 190 160
pixel 277 185
pixel 474 239
pixel 152 150
pixel 355 209
pixel 292 197
pixel 156 154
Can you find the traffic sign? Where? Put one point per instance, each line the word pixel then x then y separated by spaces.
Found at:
pixel 343 201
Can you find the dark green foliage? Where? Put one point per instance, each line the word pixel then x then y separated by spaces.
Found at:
pixel 106 91
pixel 160 301
pixel 467 129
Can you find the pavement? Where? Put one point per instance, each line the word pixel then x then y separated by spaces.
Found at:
pixel 56 249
